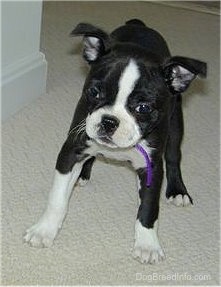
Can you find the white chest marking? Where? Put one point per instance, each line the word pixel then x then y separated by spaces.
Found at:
pixel 127 154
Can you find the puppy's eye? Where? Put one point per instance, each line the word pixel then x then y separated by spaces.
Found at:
pixel 142 108
pixel 94 93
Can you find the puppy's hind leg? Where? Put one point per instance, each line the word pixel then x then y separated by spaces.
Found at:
pixel 67 172
pixel 176 192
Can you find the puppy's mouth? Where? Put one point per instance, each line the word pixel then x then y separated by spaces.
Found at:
pixel 105 139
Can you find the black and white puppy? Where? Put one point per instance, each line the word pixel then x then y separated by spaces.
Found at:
pixel 130 110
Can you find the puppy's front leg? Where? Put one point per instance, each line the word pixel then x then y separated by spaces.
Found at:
pixel 147 248
pixel 67 172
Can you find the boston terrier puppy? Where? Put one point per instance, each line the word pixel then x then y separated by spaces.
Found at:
pixel 130 110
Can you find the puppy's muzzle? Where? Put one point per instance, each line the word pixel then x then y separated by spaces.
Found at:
pixel 108 125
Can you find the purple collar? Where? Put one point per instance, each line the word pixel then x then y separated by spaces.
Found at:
pixel 148 164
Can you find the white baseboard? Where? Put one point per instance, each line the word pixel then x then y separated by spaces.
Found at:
pixel 22 82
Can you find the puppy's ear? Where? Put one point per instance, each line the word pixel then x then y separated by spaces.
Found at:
pixel 96 41
pixel 179 72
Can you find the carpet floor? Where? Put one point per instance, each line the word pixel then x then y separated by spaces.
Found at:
pixel 94 246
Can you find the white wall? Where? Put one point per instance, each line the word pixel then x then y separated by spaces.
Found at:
pixel 23 65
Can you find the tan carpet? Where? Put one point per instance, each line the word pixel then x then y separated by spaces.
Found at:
pixel 94 246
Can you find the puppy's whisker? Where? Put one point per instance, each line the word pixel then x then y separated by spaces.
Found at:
pixel 80 130
pixel 80 123
pixel 81 127
pixel 77 127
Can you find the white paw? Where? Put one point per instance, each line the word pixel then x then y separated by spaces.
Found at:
pixel 180 200
pixel 147 248
pixel 147 255
pixel 82 182
pixel 41 234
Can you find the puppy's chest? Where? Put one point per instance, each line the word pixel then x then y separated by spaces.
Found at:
pixel 129 154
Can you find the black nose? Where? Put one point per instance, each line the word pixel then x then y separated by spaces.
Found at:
pixel 109 124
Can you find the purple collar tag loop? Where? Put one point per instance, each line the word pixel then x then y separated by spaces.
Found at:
pixel 148 164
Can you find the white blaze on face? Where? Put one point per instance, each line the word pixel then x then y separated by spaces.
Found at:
pixel 127 83
pixel 128 132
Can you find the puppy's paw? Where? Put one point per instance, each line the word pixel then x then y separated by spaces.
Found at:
pixel 180 200
pixel 82 182
pixel 177 194
pixel 147 248
pixel 41 234
pixel 148 255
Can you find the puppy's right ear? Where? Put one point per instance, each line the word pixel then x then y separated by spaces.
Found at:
pixel 96 41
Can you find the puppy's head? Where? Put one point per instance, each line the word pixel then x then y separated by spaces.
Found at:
pixel 128 90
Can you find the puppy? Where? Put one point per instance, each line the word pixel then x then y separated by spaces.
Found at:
pixel 130 110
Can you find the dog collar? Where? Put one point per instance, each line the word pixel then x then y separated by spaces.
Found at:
pixel 148 164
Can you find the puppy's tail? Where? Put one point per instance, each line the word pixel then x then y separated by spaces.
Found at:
pixel 135 22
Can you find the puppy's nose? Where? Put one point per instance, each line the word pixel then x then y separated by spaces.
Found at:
pixel 109 124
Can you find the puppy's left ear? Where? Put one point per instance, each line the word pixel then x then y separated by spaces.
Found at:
pixel 96 41
pixel 179 72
